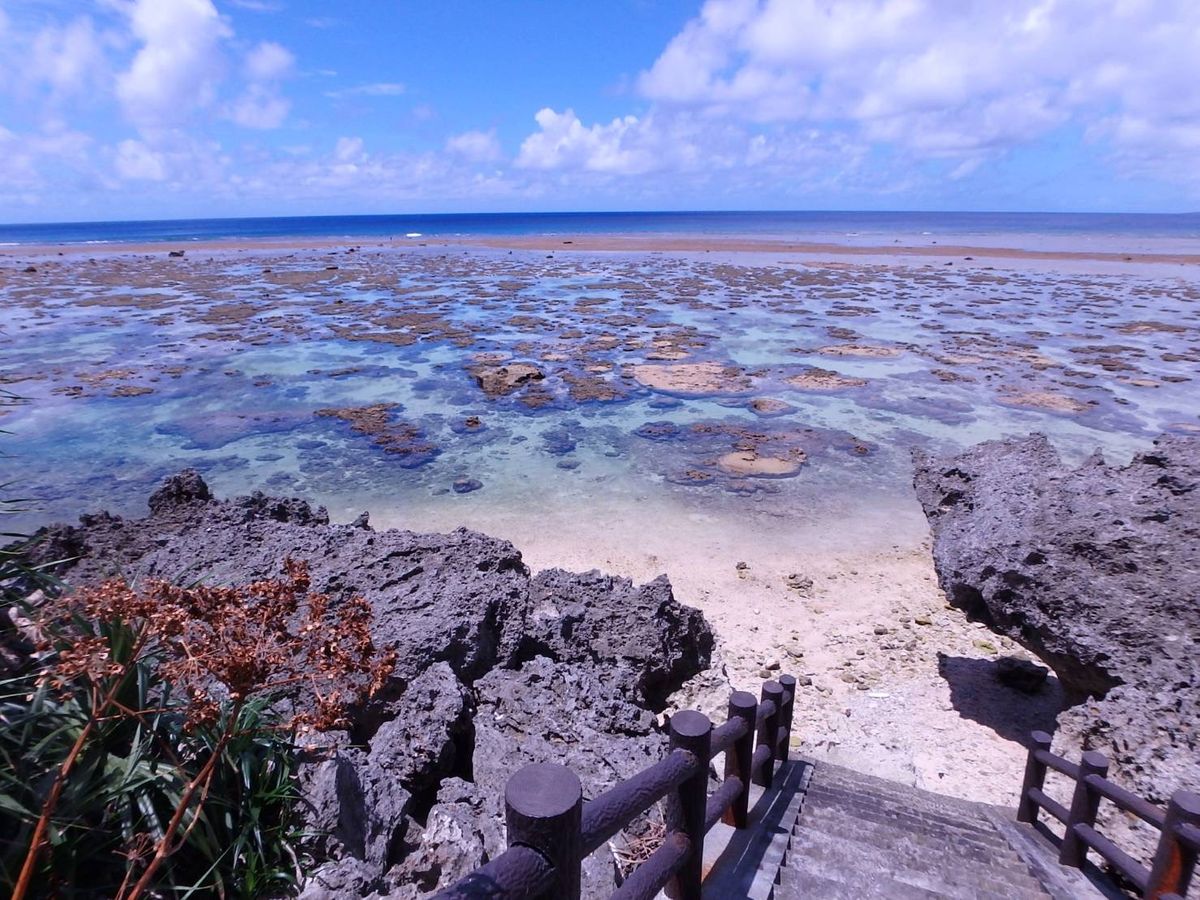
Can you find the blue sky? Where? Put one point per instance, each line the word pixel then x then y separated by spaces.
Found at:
pixel 183 108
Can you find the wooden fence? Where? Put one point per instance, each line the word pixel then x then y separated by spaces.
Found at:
pixel 1179 824
pixel 551 829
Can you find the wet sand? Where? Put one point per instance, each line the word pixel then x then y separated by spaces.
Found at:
pixel 658 243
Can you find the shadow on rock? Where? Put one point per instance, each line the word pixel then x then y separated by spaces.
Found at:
pixel 978 694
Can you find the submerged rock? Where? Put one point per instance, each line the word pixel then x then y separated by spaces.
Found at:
pixel 495 669
pixel 1096 569
pixel 404 440
pixel 821 380
pixel 693 379
pixel 498 380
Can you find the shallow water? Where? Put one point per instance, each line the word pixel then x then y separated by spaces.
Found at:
pixel 133 367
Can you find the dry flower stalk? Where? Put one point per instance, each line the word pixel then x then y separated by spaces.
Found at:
pixel 219 647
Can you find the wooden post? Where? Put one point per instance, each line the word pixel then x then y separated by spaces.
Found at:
pixel 691 731
pixel 742 705
pixel 1085 802
pixel 788 683
pixel 1174 861
pixel 543 805
pixel 1035 777
pixel 768 732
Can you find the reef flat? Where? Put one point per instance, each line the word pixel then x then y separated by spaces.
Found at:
pixel 740 421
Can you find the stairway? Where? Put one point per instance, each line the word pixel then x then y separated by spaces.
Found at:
pixel 863 837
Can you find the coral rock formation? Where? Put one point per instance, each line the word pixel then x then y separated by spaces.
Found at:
pixel 1096 569
pixel 495 669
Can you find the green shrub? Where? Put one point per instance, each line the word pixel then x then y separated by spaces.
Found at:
pixel 140 752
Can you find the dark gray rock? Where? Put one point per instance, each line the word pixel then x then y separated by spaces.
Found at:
pixel 1021 674
pixel 581 717
pixel 495 669
pixel 461 833
pixel 1096 569
pixel 586 618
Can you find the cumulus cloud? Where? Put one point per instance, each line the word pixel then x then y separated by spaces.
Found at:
pixel 695 152
pixel 24 155
pixel 135 161
pixel 179 64
pixel 939 78
pixel 262 105
pixel 269 61
pixel 624 145
pixel 476 146
pixel 351 170
pixel 176 160
pixel 67 58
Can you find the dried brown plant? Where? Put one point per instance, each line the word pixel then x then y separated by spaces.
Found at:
pixel 218 648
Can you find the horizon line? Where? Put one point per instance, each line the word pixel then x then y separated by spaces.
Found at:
pixel 604 212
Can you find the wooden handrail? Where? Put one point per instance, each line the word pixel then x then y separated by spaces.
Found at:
pixel 1128 801
pixel 550 829
pixel 1179 824
pixel 1058 764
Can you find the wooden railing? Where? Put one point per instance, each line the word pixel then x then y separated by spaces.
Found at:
pixel 1179 843
pixel 551 829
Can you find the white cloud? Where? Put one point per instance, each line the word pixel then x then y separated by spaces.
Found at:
pixel 475 146
pixel 376 89
pixel 176 160
pixel 137 162
pixel 938 78
pixel 374 179
pixel 259 6
pixel 261 105
pixel 179 64
pixel 563 141
pixel 68 58
pixel 24 156
pixel 348 149
pixel 269 61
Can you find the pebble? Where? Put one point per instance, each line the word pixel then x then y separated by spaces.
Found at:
pixel 923 620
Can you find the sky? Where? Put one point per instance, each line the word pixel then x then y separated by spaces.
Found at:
pixel 136 109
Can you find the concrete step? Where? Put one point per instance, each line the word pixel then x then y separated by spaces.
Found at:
pixel 939 874
pixel 884 812
pixel 1040 854
pixel 851 835
pixel 849 826
pixel 851 780
pixel 802 884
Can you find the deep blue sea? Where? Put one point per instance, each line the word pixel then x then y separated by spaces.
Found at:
pixel 793 225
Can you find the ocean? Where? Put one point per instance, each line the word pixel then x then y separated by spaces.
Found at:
pixel 796 225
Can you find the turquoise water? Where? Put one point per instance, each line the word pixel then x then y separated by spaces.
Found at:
pixel 135 366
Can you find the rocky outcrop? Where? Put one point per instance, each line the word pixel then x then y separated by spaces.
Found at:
pixel 1096 569
pixel 495 669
